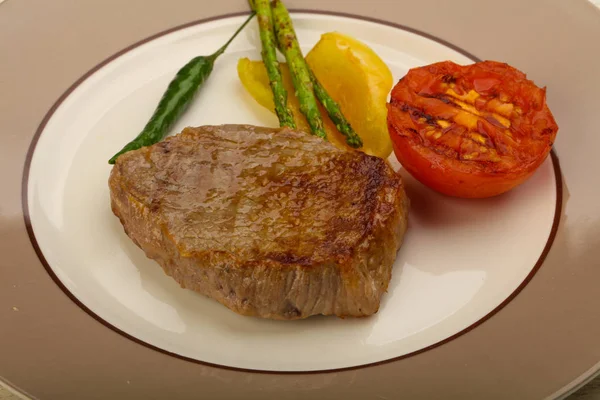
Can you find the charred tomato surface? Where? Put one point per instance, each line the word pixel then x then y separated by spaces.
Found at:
pixel 470 131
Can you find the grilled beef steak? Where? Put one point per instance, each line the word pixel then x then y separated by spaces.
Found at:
pixel 271 223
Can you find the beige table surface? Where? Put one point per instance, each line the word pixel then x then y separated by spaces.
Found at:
pixel 591 391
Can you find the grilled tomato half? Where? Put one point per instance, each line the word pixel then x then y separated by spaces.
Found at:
pixel 470 131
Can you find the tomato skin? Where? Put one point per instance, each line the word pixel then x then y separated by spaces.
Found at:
pixel 442 163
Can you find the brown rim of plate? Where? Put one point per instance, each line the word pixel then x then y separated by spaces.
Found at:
pixel 49 270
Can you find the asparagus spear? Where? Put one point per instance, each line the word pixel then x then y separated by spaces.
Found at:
pixel 286 36
pixel 335 113
pixel 332 107
pixel 269 56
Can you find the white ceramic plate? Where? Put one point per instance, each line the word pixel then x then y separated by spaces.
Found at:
pixel 461 259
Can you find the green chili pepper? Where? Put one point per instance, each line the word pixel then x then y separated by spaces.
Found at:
pixel 176 98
